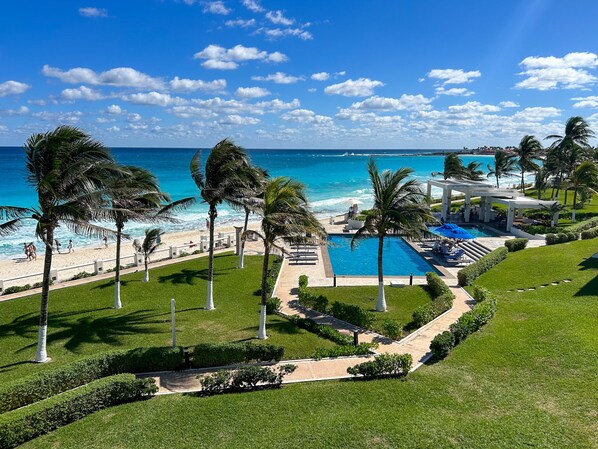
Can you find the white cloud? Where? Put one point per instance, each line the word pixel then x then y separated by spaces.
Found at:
pixel 278 18
pixel 120 77
pixel 536 114
pixel 134 117
pixel 216 7
pixel 404 102
pixel 278 105
pixel 568 72
pixel 113 129
pixel 93 12
pixel 21 111
pixel 238 120
pixel 454 76
pixel 312 90
pixel 154 99
pixel 361 87
pixel 252 92
pixel 454 91
pixel 253 5
pixel 188 85
pixel 13 88
pixel 306 116
pixel 508 104
pixel 217 57
pixel 586 102
pixel 82 93
pixel 214 106
pixel 473 107
pixel 114 109
pixel 320 76
pixel 278 78
pixel 241 23
pixel 277 33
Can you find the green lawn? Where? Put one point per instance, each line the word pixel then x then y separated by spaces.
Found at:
pixel 528 379
pixel 83 322
pixel 401 302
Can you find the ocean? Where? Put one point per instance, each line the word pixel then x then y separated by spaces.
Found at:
pixel 332 177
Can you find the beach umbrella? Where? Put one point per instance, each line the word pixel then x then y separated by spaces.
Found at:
pixel 453 231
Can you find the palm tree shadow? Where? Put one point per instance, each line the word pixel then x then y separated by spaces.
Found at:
pixel 110 284
pixel 187 276
pixel 591 288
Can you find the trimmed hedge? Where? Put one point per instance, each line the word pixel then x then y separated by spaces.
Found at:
pixel 273 305
pixel 345 350
pixel 321 330
pixel 467 275
pixel 442 344
pixel 516 244
pixel 246 378
pixel 207 355
pixel 480 294
pixel 427 312
pixel 561 237
pixel 384 365
pixel 437 286
pixel 303 281
pixel 352 314
pixel 591 233
pixel 19 426
pixel 583 225
pixel 52 382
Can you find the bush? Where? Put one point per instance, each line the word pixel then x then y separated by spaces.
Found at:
pixel 443 303
pixel 437 286
pixel 442 344
pixel 561 237
pixel 16 289
pixel 384 365
pixel 246 378
pixel 467 275
pixel 537 229
pixel 423 315
pixel 273 305
pixel 52 382
pixel 345 350
pixel 311 301
pixel 480 293
pixel 590 233
pixel 321 330
pixel 392 329
pixel 473 320
pixel 583 225
pixel 303 280
pixel 516 244
pixel 352 314
pixel 82 275
pixel 22 425
pixel 221 354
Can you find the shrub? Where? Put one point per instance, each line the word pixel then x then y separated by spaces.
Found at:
pixel 303 280
pixel 82 275
pixel 590 233
pixel 311 301
pixel 561 237
pixel 480 293
pixel 43 385
pixel 392 329
pixel 246 378
pixel 467 275
pixel 442 344
pixel 473 320
pixel 423 314
pixel 516 244
pixel 16 289
pixel 537 229
pixel 222 354
pixel 273 305
pixel 19 426
pixel 443 303
pixel 352 314
pixel 437 286
pixel 583 225
pixel 384 365
pixel 345 350
pixel 321 330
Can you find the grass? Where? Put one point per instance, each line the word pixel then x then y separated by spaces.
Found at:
pixel 83 322
pixel 528 379
pixel 401 302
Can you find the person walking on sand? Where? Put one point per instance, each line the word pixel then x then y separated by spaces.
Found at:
pixel 105 242
pixel 26 250
pixel 57 243
pixel 207 224
pixel 70 246
pixel 32 251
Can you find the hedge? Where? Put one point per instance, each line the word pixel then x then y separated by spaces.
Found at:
pixel 303 281
pixel 246 378
pixel 437 286
pixel 583 225
pixel 352 314
pixel 221 354
pixel 589 233
pixel 442 344
pixel 43 385
pixel 467 275
pixel 384 365
pixel 321 330
pixel 345 350
pixel 19 426
pixel 481 294
pixel 427 312
pixel 307 299
pixel 516 244
pixel 561 237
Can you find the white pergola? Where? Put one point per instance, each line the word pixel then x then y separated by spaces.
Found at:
pixel 515 201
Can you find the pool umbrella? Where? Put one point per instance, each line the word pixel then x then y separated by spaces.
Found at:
pixel 453 231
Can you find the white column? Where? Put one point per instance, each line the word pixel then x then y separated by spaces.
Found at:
pixel 510 217
pixel 520 212
pixel 173 252
pixel 238 230
pixel 467 212
pixel 444 203
pixel 449 192
pixel 98 266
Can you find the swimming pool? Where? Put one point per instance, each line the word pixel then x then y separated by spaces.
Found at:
pixel 476 231
pixel 399 259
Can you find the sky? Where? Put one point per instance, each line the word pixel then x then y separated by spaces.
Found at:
pixel 298 74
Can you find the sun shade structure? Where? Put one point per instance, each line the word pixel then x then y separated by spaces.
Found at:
pixel 515 201
pixel 452 231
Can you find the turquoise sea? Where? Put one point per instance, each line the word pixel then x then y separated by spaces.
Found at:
pixel 332 177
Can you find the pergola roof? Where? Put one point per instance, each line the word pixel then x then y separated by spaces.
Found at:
pixel 525 202
pixel 474 188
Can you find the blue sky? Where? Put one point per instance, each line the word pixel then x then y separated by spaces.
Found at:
pixel 298 74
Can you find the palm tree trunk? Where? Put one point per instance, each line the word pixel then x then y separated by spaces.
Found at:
pixel 41 355
pixel 261 333
pixel 210 298
pixel 242 250
pixel 574 205
pixel 566 192
pixel 381 302
pixel 522 181
pixel 146 277
pixel 117 303
pixel 497 186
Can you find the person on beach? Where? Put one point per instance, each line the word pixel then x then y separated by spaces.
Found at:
pixel 191 245
pixel 33 251
pixel 26 250
pixel 57 243
pixel 136 246
pixel 207 224
pixel 70 246
pixel 105 242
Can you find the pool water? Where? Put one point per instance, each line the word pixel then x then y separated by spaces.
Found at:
pixel 399 259
pixel 476 231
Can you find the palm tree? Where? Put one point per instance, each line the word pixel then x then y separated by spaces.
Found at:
pixel 12 215
pixel 285 215
pixel 399 208
pixel 227 171
pixel 473 172
pixel 585 176
pixel 69 171
pixel 541 181
pixel 526 153
pixel 137 196
pixel 504 165
pixel 150 244
pixel 453 167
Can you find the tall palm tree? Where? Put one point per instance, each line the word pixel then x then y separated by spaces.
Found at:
pixel 473 172
pixel 453 167
pixel 11 215
pixel 541 181
pixel 585 176
pixel 399 209
pixel 150 244
pixel 137 196
pixel 228 170
pixel 285 215
pixel 504 165
pixel 69 171
pixel 528 150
